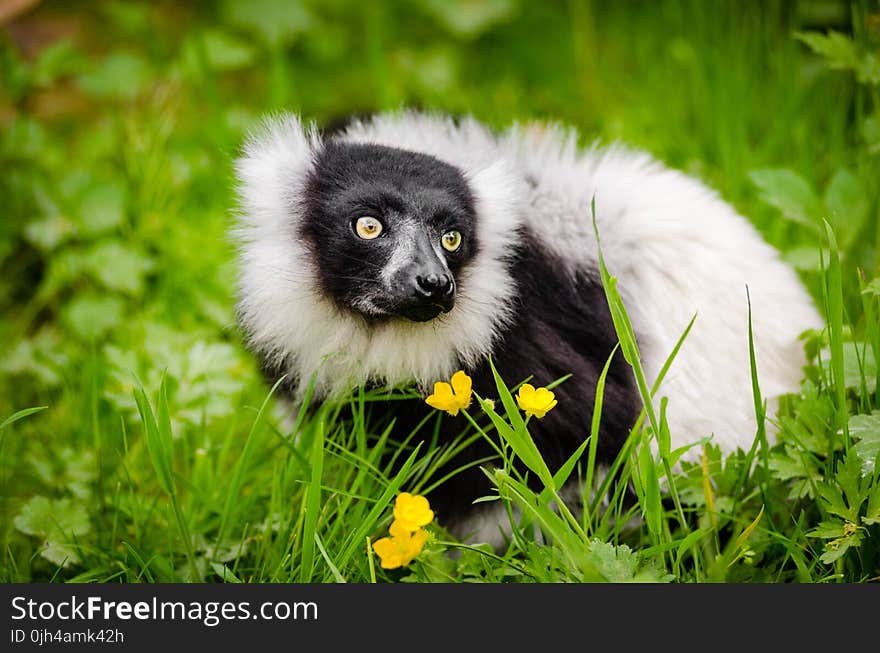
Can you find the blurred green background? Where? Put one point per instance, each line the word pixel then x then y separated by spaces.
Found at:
pixel 120 122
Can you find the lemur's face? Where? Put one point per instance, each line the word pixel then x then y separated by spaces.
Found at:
pixel 390 230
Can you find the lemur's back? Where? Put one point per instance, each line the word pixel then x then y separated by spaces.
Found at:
pixel 677 250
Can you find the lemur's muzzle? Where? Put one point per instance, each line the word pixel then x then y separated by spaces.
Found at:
pixel 427 285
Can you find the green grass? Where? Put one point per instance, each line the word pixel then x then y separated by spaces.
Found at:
pixel 138 441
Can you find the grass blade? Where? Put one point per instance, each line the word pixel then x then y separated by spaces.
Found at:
pixel 629 346
pixel 312 503
pixel 157 432
pixel 236 479
pixel 21 414
pixel 834 315
pixel 596 420
pixel 333 569
pixel 356 539
pixel 518 436
pixel 157 448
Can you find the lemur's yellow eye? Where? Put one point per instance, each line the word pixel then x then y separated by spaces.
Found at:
pixel 451 241
pixel 368 228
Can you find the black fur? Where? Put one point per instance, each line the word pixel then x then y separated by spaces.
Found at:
pixel 349 181
pixel 562 324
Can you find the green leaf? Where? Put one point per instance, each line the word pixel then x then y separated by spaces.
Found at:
pixel 118 76
pixel 616 564
pixel 847 203
pixel 845 195
pixel 849 477
pixel 68 468
pixel 832 497
pixel 870 132
pixel 796 466
pixel 839 49
pixel 790 193
pixel 226 52
pixel 79 471
pixel 804 258
pixel 43 355
pixel 118 266
pixel 866 428
pixel 129 17
pixel 828 529
pixel 843 53
pixel 91 316
pixel 208 376
pixel 868 69
pixel 787 466
pixel 58 522
pixel 222 52
pixel 835 549
pixel 101 209
pixel 275 22
pixel 49 232
pixel 470 18
pixel 872 287
pixel 620 564
pixel 57 60
pixel 872 515
pixel 858 361
pixel 66 267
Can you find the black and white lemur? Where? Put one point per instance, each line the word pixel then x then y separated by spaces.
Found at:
pixel 409 245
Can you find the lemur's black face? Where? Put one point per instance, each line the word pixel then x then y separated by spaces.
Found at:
pixel 390 229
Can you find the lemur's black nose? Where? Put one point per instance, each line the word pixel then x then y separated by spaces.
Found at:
pixel 433 285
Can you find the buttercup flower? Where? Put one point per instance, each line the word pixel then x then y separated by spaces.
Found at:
pixel 399 549
pixel 411 512
pixel 451 398
pixel 534 401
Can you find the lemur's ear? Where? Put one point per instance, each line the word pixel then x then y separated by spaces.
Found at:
pixel 339 125
pixel 272 170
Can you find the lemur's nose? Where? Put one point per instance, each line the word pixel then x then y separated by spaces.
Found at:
pixel 433 285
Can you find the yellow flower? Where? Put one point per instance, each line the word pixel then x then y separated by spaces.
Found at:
pixel 451 398
pixel 535 401
pixel 399 549
pixel 411 512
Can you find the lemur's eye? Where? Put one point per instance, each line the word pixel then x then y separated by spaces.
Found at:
pixel 451 241
pixel 368 228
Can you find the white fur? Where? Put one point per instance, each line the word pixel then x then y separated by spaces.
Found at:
pixel 285 314
pixel 676 248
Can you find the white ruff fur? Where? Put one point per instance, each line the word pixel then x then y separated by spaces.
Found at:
pixel 676 248
pixel 282 308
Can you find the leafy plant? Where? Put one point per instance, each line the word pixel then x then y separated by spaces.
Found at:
pixel 119 128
